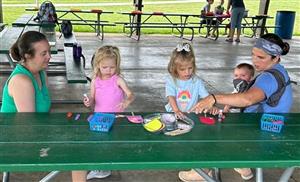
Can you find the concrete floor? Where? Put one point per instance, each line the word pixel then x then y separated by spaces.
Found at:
pixel 144 66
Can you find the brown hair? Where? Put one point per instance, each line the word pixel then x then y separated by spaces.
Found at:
pixel 248 67
pixel 106 52
pixel 180 56
pixel 24 45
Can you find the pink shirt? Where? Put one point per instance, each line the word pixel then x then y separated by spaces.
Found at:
pixel 108 95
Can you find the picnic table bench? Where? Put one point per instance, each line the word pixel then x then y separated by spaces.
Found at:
pixel 97 24
pixel 8 37
pixel 22 20
pixel 74 70
pixel 179 26
pixel 11 35
pixel 212 24
pixel 257 22
pixel 47 28
pixel 51 142
pixel 20 26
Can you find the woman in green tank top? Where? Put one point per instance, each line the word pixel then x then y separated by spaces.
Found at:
pixel 26 88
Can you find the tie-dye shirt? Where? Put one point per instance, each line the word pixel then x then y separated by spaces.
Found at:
pixel 186 92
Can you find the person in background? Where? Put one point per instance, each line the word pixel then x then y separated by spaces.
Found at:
pixel 26 89
pixel 206 19
pixel 237 14
pixel 207 8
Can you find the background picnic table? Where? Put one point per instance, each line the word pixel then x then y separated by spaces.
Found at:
pixel 10 14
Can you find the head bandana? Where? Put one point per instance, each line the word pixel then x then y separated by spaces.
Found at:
pixel 268 47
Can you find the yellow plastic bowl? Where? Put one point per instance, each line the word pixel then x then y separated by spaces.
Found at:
pixel 154 125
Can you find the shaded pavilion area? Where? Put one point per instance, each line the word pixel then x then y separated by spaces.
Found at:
pixel 144 66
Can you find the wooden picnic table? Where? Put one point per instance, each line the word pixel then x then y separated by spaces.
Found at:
pixel 23 20
pixel 12 34
pixel 97 24
pixel 74 72
pixel 212 23
pixel 180 24
pixel 51 141
pixel 256 22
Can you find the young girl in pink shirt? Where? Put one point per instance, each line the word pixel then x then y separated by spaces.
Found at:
pixel 109 93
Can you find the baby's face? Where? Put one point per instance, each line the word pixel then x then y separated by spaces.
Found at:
pixel 243 74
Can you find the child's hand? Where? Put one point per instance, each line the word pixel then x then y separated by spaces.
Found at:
pixel 123 105
pixel 86 100
pixel 179 114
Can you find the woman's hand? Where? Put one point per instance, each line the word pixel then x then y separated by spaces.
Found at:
pixel 226 108
pixel 204 105
pixel 214 110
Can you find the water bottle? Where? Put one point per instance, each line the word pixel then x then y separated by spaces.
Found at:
pixel 79 50
pixel 74 49
pixel 220 115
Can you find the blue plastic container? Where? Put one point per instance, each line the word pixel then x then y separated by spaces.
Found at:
pixel 102 122
pixel 271 122
pixel 285 24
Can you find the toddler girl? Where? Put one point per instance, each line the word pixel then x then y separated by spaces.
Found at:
pixel 108 88
pixel 109 92
pixel 183 87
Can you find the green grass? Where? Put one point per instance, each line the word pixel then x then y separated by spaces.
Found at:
pixel 11 14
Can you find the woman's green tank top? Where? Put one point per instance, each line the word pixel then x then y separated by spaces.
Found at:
pixel 42 97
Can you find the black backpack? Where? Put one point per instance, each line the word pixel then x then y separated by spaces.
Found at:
pixel 66 28
pixel 273 100
pixel 46 13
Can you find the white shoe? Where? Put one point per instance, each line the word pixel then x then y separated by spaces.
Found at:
pixel 98 174
pixel 245 173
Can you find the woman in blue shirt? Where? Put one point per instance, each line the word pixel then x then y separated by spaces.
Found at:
pixel 266 55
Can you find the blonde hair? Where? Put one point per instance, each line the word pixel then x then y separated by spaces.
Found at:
pixel 180 56
pixel 103 53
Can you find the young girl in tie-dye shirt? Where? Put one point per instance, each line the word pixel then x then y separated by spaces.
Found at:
pixel 183 87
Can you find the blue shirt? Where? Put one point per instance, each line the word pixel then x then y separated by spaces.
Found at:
pixel 268 84
pixel 237 4
pixel 186 92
